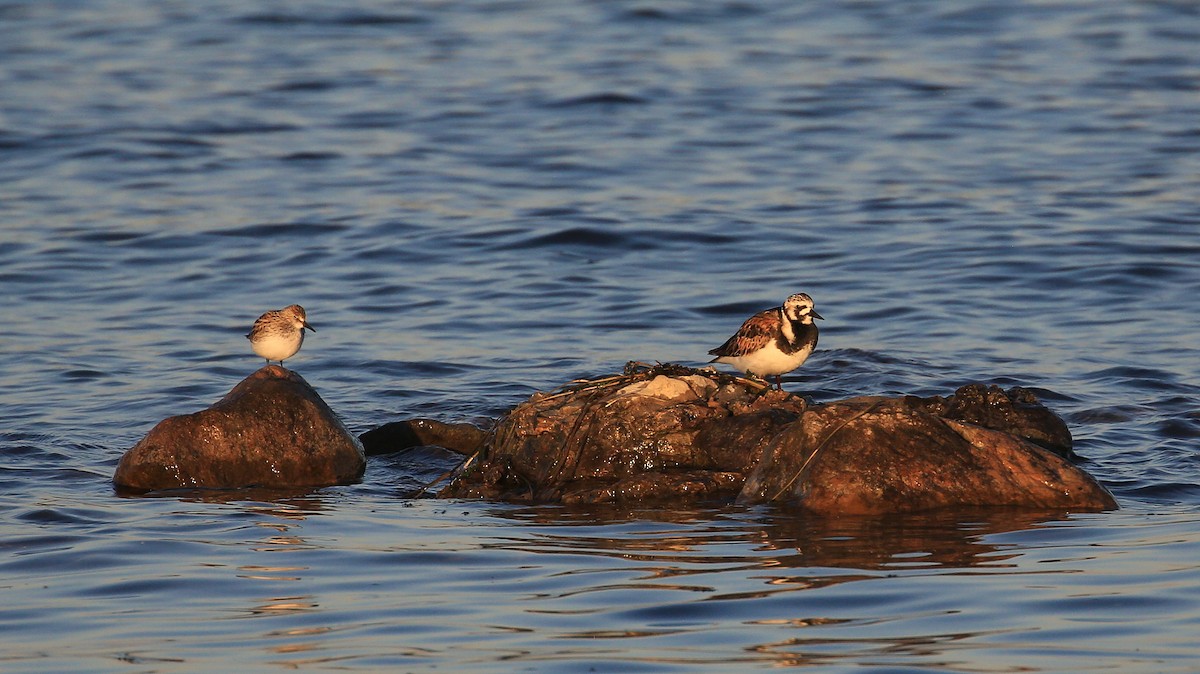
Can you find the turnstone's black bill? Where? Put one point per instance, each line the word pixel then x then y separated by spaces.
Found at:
pixel 773 341
pixel 277 335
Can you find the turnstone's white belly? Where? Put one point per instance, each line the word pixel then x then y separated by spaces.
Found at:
pixel 755 348
pixel 768 361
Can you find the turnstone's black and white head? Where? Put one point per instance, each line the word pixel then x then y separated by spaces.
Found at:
pixel 774 341
pixel 277 335
pixel 799 307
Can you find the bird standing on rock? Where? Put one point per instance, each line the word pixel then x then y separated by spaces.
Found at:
pixel 277 335
pixel 774 341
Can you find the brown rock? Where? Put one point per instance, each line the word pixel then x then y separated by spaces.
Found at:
pixel 402 435
pixel 870 457
pixel 1017 412
pixel 665 433
pixel 272 430
pixel 674 433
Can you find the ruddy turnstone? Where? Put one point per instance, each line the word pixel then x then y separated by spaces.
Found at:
pixel 773 341
pixel 277 335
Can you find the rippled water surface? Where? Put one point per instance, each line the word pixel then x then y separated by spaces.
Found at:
pixel 477 200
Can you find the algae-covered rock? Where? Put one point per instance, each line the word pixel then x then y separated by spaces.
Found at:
pixel 671 433
pixel 668 432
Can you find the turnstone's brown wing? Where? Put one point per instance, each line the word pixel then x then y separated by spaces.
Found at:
pixel 755 333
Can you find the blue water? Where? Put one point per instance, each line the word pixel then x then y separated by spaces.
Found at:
pixel 478 200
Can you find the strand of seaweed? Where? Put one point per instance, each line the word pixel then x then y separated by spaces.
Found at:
pixel 808 461
pixel 636 371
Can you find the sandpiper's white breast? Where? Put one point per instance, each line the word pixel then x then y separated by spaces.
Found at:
pixel 278 345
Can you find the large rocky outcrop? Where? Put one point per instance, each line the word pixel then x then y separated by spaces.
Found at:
pixel 272 430
pixel 674 433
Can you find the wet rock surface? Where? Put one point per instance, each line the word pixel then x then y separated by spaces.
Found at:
pixel 1016 411
pixel 662 434
pixel 400 436
pixel 272 430
pixel 890 455
pixel 671 433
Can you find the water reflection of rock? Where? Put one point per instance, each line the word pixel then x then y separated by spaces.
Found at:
pixel 781 573
pixel 946 538
pixel 787 538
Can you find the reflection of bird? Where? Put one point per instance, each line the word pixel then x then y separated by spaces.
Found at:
pixel 773 341
pixel 277 335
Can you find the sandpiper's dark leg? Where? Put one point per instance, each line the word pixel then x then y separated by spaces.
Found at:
pixel 779 382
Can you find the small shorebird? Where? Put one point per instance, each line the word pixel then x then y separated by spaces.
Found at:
pixel 773 341
pixel 277 335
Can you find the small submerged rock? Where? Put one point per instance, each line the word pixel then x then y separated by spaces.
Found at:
pixel 403 435
pixel 677 434
pixel 272 430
